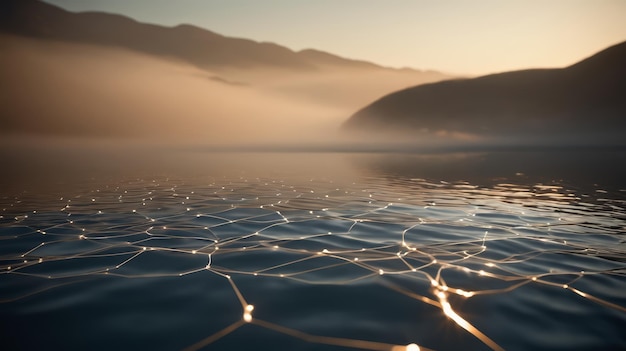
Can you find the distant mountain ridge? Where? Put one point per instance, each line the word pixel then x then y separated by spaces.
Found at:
pixel 586 98
pixel 192 44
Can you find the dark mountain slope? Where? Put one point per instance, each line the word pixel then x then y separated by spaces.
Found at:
pixel 589 96
pixel 192 44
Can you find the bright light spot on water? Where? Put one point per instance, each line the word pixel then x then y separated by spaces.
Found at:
pixel 412 347
pixel 247 314
pixel 464 293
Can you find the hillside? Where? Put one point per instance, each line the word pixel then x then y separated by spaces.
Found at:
pixel 198 46
pixel 587 99
pixel 103 75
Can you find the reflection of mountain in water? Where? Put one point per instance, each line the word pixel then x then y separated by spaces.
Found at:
pixel 585 100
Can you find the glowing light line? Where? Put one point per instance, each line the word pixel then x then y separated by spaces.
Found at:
pixel 353 343
pixel 598 300
pixel 33 249
pixel 448 311
pixel 220 334
pixel 243 301
pixel 129 259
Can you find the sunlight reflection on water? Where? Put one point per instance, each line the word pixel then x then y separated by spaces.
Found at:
pixel 364 251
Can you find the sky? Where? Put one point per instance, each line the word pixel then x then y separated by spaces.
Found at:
pixel 456 36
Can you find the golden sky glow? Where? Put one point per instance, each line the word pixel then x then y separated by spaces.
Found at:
pixel 463 37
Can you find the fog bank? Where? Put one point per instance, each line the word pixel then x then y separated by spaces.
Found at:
pixel 74 90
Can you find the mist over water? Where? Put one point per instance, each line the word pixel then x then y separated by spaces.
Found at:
pixel 77 90
pixel 73 92
pixel 57 89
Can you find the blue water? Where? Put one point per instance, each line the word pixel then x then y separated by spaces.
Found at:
pixel 515 251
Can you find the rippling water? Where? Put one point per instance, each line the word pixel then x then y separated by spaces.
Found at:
pixel 516 251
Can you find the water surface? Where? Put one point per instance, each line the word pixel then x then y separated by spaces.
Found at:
pixel 166 250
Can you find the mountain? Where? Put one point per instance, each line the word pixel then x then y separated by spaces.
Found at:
pixel 584 100
pixel 103 75
pixel 200 47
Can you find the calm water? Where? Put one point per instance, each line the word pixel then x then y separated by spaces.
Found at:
pixel 478 251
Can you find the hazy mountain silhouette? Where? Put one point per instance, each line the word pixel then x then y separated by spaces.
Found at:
pixel 108 76
pixel 195 45
pixel 587 99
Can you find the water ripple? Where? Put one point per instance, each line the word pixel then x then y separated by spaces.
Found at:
pixel 375 264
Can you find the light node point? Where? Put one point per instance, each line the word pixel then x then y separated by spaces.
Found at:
pixel 412 347
pixel 247 317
